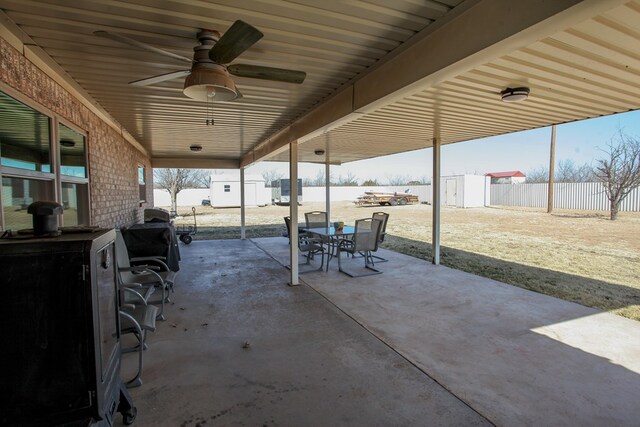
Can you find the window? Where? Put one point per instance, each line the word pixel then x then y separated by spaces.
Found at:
pixel 24 137
pixel 73 157
pixel 227 188
pixel 142 186
pixel 74 183
pixel 17 195
pixel 37 166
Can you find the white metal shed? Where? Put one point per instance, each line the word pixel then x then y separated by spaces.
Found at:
pixel 225 190
pixel 465 191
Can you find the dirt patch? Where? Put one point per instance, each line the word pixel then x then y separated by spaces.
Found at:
pixel 579 256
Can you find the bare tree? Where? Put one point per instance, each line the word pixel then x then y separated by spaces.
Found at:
pixel 397 179
pixel 538 175
pixel 348 180
pixel 319 180
pixel 176 180
pixel 271 175
pixel 619 170
pixel 201 178
pixel 370 183
pixel 567 171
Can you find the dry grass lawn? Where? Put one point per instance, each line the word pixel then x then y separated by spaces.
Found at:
pixel 578 256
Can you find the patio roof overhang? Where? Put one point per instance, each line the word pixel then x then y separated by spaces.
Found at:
pixel 382 78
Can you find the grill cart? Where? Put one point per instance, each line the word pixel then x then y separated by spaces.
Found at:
pixel 184 232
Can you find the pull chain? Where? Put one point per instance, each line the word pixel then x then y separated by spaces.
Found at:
pixel 211 93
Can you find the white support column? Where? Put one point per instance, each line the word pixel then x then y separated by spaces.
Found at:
pixel 435 203
pixel 327 178
pixel 242 206
pixel 293 213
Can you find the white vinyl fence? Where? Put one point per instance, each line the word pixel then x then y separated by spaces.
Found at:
pixel 582 196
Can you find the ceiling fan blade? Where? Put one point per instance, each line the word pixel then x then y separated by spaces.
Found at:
pixel 126 40
pixel 161 78
pixel 238 38
pixel 267 73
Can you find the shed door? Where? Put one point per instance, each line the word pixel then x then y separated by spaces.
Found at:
pixel 452 189
pixel 250 194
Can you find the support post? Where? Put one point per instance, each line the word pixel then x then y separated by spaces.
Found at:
pixel 242 206
pixel 552 168
pixel 435 203
pixel 327 178
pixel 293 213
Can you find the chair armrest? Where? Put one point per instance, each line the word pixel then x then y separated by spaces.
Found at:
pixel 136 295
pixel 134 269
pixel 131 285
pixel 154 259
pixel 148 258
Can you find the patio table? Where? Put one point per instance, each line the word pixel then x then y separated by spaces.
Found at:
pixel 332 237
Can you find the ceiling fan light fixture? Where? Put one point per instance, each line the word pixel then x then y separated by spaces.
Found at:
pixel 195 148
pixel 515 94
pixel 210 83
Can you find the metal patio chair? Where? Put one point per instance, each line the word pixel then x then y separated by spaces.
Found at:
pixel 365 241
pixel 143 278
pixel 383 217
pixel 307 245
pixel 315 219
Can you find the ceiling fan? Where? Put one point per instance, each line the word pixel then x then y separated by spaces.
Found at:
pixel 208 79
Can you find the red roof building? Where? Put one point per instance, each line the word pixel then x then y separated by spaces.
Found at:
pixel 509 174
pixel 509 177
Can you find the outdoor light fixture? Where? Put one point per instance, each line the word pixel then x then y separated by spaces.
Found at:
pixel 210 82
pixel 319 152
pixel 515 94
pixel 67 143
pixel 195 148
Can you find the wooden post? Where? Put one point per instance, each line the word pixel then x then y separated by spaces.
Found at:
pixel 552 162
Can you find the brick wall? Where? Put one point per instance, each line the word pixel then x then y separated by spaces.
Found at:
pixel 113 162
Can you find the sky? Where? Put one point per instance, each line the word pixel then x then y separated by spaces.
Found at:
pixel 580 141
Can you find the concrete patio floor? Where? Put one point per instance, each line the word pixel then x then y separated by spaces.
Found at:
pixel 416 345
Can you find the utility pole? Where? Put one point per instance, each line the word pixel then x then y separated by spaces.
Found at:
pixel 552 162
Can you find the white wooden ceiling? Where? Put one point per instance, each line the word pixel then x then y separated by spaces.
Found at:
pixel 586 69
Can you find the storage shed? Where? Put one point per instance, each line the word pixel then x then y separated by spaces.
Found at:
pixel 225 190
pixel 465 191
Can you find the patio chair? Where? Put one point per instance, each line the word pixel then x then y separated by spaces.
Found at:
pixel 365 240
pixel 143 277
pixel 315 219
pixel 136 317
pixel 308 246
pixel 383 218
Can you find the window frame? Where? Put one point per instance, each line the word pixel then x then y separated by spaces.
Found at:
pixel 55 178
pixel 142 187
pixel 60 178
